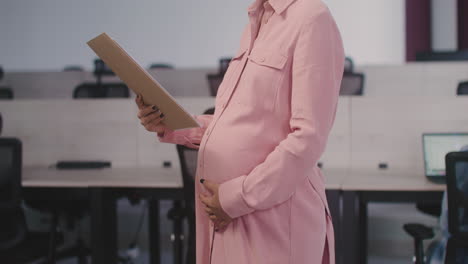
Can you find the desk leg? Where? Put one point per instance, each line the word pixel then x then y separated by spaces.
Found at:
pixel 178 218
pixel 354 228
pixel 103 226
pixel 154 234
pixel 333 197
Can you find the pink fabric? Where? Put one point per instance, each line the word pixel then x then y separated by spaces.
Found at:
pixel 274 111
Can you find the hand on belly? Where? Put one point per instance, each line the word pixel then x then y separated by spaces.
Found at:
pixel 213 207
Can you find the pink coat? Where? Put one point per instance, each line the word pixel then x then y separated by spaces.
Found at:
pixel 274 111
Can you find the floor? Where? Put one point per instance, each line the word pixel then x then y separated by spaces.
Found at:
pixel 129 217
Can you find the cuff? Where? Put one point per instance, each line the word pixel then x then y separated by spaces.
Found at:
pixel 231 200
pixel 175 137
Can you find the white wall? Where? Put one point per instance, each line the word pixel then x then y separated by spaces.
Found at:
pixel 49 34
pixel 444 25
pixel 373 30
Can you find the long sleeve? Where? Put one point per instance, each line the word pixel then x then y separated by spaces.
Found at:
pixel 189 137
pixel 317 68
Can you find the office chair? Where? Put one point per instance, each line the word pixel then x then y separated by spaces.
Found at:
pixel 6 93
pixel 462 88
pixel 106 90
pixel 224 64
pixel 455 238
pixel 188 163
pixel 161 66
pixel 457 199
pixel 348 65
pixel 17 243
pixel 209 111
pixel 214 81
pixel 352 84
pixel 73 68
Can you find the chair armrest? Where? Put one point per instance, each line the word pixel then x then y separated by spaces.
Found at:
pixel 419 231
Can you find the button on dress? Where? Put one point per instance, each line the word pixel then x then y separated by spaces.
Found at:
pixel 273 114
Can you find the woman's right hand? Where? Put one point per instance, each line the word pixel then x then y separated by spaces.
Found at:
pixel 150 116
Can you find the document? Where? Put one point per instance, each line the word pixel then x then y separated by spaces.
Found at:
pixel 141 82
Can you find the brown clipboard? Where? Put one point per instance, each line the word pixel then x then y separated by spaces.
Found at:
pixel 141 82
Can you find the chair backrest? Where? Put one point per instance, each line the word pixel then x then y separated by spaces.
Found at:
pixel 457 193
pixel 101 68
pixel 1 73
pixel 348 65
pixel 209 111
pixel 224 65
pixel 6 93
pixel 462 88
pixel 214 81
pixel 12 223
pixel 73 68
pixel 106 90
pixel 188 163
pixel 352 84
pixel 161 66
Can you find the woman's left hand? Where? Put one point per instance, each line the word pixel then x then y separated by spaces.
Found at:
pixel 213 207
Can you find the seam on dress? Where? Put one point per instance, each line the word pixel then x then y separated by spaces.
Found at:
pixel 290 233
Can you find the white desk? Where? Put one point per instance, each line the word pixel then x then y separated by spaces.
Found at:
pixel 157 177
pixel 387 180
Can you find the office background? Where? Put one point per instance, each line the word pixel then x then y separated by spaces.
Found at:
pixel 47 35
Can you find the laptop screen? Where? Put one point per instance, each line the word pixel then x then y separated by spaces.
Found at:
pixel 436 146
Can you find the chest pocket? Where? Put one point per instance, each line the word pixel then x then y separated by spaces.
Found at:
pixel 261 79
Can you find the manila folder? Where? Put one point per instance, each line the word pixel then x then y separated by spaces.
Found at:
pixel 141 82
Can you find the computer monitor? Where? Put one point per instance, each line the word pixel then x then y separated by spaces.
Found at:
pixel 435 147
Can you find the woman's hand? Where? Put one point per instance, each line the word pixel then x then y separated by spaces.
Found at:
pixel 150 116
pixel 213 207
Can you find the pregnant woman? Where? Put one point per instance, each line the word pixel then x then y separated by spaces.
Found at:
pixel 261 196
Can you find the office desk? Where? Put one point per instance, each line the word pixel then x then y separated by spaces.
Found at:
pixel 360 187
pixel 104 185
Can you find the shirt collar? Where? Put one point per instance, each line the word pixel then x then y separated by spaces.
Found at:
pixel 278 5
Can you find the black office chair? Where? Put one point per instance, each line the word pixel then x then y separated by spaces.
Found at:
pixel 105 90
pixel 457 199
pixel 214 81
pixel 6 93
pixel 462 88
pixel 209 111
pixel 188 163
pixel 348 65
pixel 224 64
pixel 73 68
pixel 17 243
pixel 161 66
pixel 352 84
pixel 456 249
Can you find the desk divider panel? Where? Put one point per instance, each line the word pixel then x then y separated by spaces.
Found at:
pixel 389 130
pixel 367 131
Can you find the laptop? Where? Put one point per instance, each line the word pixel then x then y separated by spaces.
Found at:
pixel 435 147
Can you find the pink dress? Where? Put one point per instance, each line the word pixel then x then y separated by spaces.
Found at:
pixel 274 111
